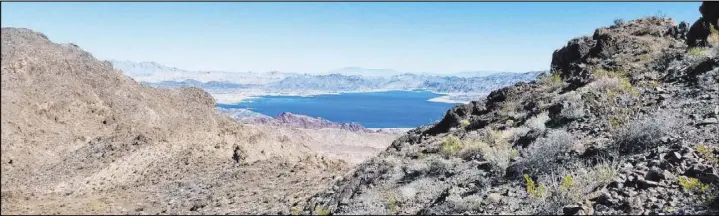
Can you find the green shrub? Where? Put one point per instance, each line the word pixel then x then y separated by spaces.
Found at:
pixel 554 79
pixel 697 51
pixel 392 205
pixel 494 147
pixel 692 184
pixel 577 184
pixel 533 189
pixel 707 153
pixel 451 144
pixel 295 211
pixel 464 123
pixel 319 210
pixel 567 182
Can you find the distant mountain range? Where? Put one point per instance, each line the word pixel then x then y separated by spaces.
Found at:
pixel 350 79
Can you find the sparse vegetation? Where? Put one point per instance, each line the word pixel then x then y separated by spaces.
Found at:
pixel 643 134
pixel 451 145
pixel 319 210
pixel 392 205
pixel 552 80
pixel 697 51
pixel 538 123
pixel 610 96
pixel 713 35
pixel 573 187
pixel 644 57
pixel 464 123
pixel 510 108
pixel 573 108
pixel 295 211
pixel 618 22
pixel 533 189
pixel 707 153
pixel 692 184
pixel 542 155
pixel 494 147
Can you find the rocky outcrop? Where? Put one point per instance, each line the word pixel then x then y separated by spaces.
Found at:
pixel 701 29
pixel 628 127
pixel 614 48
pixel 291 120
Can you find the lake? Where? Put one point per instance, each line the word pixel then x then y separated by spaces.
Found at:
pixel 391 109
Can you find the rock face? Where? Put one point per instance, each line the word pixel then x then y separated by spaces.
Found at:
pixel 303 121
pixel 613 48
pixel 78 137
pixel 701 29
pixel 624 124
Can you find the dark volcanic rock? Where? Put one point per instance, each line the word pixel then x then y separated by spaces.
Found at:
pixel 701 29
pixel 549 147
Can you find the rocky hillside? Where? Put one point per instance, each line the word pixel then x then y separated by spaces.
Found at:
pixel 297 121
pixel 78 137
pixel 626 123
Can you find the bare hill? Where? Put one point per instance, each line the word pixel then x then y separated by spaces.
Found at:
pixel 79 137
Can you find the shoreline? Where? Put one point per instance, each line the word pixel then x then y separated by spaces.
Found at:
pixel 446 99
pixel 235 98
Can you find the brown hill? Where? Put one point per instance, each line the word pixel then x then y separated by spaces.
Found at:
pixel 79 137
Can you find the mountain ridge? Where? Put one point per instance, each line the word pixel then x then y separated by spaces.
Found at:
pixel 79 137
pixel 623 123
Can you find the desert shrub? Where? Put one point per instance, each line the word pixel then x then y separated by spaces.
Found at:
pixel 552 80
pixel 713 35
pixel 697 51
pixel 451 144
pixel 436 168
pixel 519 132
pixel 707 153
pixel 602 73
pixel 538 122
pixel 618 22
pixel 510 108
pixel 573 107
pixel 644 57
pixel 610 97
pixel 643 134
pixel 612 82
pixel 319 210
pixel 471 203
pixel 392 205
pixel 541 156
pixel 692 184
pixel 494 147
pixel 534 190
pixel 295 211
pixel 464 123
pixel 571 186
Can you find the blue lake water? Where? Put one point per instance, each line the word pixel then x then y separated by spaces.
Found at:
pixel 391 109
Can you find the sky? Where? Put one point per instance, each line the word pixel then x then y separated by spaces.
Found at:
pixel 313 37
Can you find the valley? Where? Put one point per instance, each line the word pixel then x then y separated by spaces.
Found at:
pixel 624 122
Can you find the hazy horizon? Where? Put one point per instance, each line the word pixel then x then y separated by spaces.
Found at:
pixel 304 37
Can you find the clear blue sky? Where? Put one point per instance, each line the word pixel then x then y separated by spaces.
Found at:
pixel 317 37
